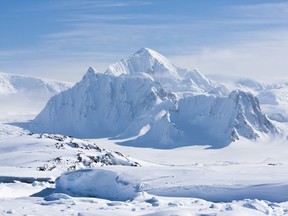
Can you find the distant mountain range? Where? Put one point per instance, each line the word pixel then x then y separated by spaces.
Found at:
pixel 12 84
pixel 27 95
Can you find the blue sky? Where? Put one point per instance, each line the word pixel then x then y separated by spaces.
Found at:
pixel 60 39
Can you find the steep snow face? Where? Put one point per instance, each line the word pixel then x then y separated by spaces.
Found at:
pixel 249 119
pixel 100 105
pixel 207 120
pixel 162 70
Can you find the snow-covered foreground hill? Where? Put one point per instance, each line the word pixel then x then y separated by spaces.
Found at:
pixel 247 177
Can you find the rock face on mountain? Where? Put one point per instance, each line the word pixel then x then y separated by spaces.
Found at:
pixel 152 103
pixel 272 97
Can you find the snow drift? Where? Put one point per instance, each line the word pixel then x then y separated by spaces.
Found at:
pixel 152 103
pixel 100 183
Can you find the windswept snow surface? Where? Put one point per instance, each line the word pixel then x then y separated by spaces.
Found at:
pixel 242 179
pixel 145 101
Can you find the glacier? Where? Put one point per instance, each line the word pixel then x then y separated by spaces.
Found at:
pixel 146 101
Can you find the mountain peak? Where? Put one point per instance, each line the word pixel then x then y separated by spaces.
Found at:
pixel 91 70
pixel 144 60
pixel 90 73
pixel 144 50
pixel 157 66
pixel 151 53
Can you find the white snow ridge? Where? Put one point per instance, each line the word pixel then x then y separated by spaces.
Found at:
pixel 147 101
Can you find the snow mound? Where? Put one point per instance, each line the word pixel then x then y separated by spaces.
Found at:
pixel 57 196
pixel 100 183
pixel 131 102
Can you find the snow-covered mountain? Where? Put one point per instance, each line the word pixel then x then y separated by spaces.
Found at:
pixel 149 102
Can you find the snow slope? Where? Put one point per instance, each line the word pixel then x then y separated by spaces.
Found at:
pixel 139 99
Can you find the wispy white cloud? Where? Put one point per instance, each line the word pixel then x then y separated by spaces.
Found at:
pixel 246 40
pixel 274 12
pixel 88 4
pixel 266 9
pixel 265 59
